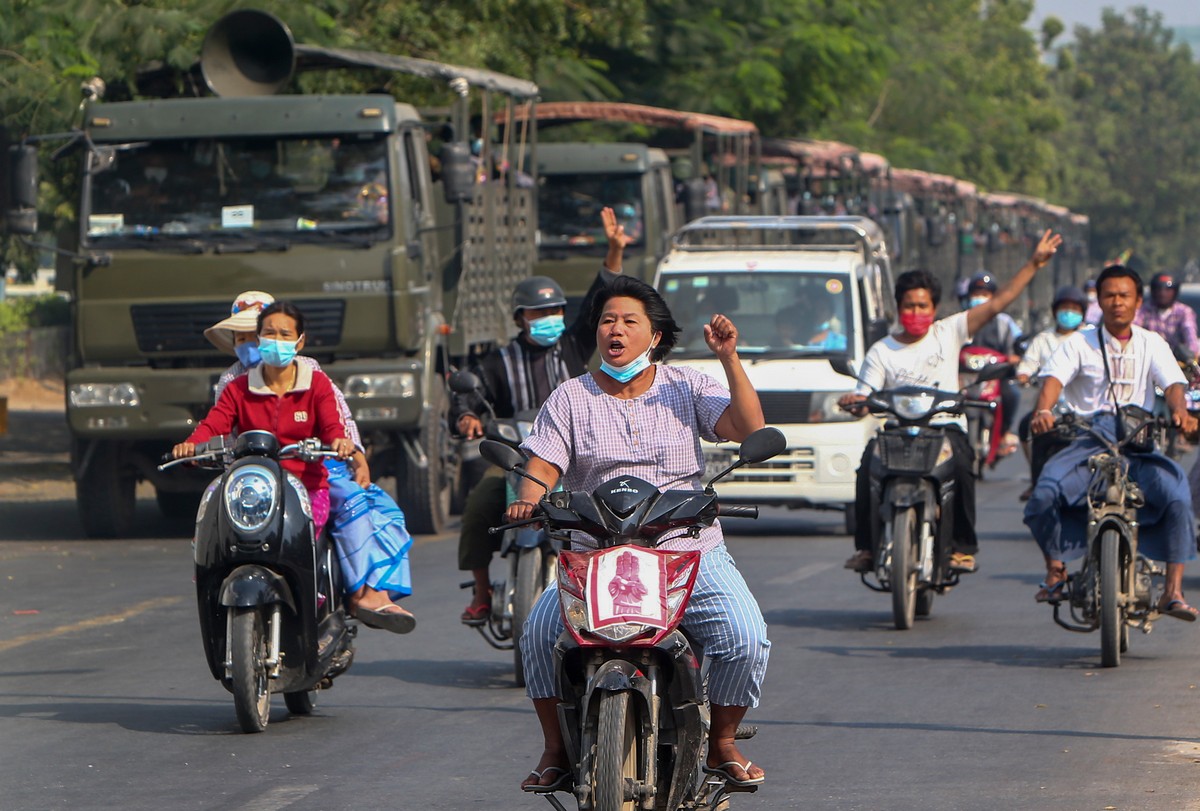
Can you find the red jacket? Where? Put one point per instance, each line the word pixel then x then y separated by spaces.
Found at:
pixel 308 410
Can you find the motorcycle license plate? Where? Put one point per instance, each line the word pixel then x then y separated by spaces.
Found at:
pixel 627 584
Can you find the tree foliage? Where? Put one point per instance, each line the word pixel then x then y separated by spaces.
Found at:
pixel 962 87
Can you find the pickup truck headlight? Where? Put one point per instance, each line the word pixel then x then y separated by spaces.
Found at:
pixel 92 395
pixel 826 408
pixel 397 384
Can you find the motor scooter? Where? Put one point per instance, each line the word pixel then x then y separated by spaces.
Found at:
pixel 912 470
pixel 530 554
pixel 634 711
pixel 269 594
pixel 981 422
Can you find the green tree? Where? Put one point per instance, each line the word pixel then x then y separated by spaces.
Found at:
pixel 1128 151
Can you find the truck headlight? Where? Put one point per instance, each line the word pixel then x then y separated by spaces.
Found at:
pixel 826 408
pixel 397 384
pixel 250 497
pixel 91 395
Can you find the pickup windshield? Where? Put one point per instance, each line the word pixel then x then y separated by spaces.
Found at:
pixel 238 189
pixel 777 314
pixel 569 211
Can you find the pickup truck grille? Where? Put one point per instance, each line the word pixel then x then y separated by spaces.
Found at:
pixel 786 407
pixel 180 327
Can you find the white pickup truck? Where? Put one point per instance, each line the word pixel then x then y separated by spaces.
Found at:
pixel 801 291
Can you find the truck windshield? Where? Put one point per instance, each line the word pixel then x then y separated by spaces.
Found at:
pixel 569 210
pixel 777 314
pixel 238 187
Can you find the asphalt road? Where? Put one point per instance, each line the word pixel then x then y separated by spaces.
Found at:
pixel 106 702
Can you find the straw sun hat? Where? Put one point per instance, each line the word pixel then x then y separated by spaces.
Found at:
pixel 243 317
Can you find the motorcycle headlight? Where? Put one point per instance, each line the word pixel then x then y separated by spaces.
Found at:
pixel 912 406
pixel 976 362
pixel 250 497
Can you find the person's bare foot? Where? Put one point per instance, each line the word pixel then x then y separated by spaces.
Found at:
pixel 549 770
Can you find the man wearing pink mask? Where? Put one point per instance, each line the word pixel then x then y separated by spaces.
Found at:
pixel 924 352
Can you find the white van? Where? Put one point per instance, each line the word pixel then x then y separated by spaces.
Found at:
pixel 801 291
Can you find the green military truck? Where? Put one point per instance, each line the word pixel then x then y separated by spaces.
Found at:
pixel 577 180
pixel 401 261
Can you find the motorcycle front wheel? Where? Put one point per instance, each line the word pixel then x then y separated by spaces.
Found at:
pixel 248 668
pixel 905 527
pixel 1112 614
pixel 616 764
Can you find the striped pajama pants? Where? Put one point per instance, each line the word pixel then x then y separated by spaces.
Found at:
pixel 723 617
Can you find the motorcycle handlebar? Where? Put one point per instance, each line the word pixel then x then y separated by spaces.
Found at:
pixel 514 525
pixel 990 405
pixel 737 511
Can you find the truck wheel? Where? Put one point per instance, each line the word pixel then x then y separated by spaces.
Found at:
pixel 424 492
pixel 106 492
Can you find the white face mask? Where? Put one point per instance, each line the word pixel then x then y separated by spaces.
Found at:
pixel 156 173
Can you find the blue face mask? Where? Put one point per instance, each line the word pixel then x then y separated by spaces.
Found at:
pixel 547 330
pixel 248 354
pixel 975 301
pixel 623 374
pixel 1068 319
pixel 277 353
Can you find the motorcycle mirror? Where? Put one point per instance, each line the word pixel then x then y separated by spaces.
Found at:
pixel 464 382
pixel 994 371
pixel 758 447
pixel 762 445
pixel 501 455
pixel 841 365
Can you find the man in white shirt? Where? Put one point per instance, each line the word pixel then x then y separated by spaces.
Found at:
pixel 924 352
pixel 1094 382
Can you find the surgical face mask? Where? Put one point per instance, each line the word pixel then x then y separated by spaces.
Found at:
pixel 975 301
pixel 155 173
pixel 916 323
pixel 623 374
pixel 248 354
pixel 547 330
pixel 277 353
pixel 1068 319
pixel 1091 296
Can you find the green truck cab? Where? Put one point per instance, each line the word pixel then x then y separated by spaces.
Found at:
pixel 577 180
pixel 401 263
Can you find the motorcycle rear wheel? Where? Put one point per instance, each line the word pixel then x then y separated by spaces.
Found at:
pixel 616 764
pixel 248 668
pixel 1112 615
pixel 905 527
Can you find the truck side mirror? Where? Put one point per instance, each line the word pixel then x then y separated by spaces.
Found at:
pixel 458 172
pixel 21 171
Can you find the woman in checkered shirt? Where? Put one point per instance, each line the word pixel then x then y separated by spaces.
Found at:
pixel 635 417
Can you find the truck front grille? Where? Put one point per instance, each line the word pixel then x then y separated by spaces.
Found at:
pixel 786 407
pixel 180 327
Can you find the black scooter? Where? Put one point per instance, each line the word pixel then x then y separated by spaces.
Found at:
pixel 269 593
pixel 634 711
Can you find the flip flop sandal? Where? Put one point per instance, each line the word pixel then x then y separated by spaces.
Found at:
pixel 1179 610
pixel 723 771
pixel 563 783
pixel 398 622
pixel 475 614
pixel 1051 593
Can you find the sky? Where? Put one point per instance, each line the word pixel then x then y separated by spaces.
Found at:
pixel 1087 12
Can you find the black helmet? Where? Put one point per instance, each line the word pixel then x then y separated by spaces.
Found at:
pixel 1069 294
pixel 1162 281
pixel 982 281
pixel 537 292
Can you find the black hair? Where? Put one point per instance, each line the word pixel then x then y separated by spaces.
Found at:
pixel 1118 272
pixel 918 280
pixel 286 308
pixel 660 316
